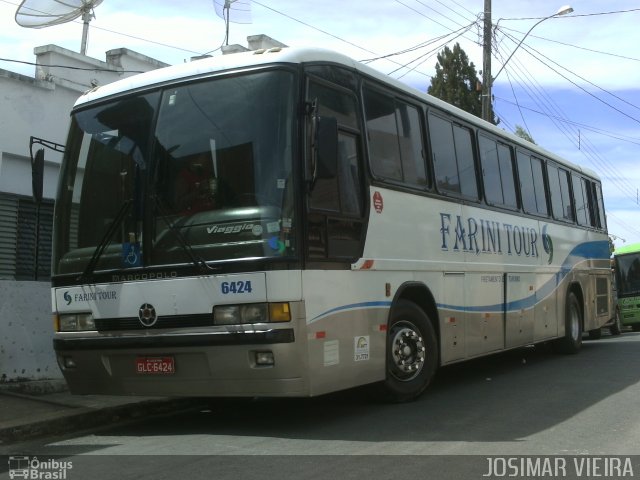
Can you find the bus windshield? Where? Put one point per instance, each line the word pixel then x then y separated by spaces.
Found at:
pixel 199 170
pixel 628 269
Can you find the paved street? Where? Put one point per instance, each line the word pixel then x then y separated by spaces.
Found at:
pixel 525 402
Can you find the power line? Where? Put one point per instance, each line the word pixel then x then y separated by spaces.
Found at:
pixel 72 68
pixel 616 55
pixel 314 28
pixel 581 14
pixel 429 54
pixel 596 159
pixel 546 103
pixel 590 128
pixel 473 15
pixel 433 20
pixel 442 14
pixel 527 49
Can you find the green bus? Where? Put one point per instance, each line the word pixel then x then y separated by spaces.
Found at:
pixel 627 268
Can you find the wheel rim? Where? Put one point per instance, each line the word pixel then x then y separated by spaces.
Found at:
pixel 575 322
pixel 407 351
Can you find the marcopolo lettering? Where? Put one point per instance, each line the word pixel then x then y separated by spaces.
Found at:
pixel 487 236
pixel 144 276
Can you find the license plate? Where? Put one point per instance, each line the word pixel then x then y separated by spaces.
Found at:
pixel 155 365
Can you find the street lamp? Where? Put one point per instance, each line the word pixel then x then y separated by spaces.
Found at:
pixel 488 79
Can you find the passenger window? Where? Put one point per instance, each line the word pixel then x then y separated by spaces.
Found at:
pixel 505 159
pixel 336 205
pixel 395 139
pixel 497 172
pixel 453 157
pixel 583 215
pixel 466 163
pixel 349 175
pixel 444 154
pixel 382 133
pixel 411 145
pixel 561 203
pixel 490 171
pixel 602 218
pixel 532 187
pixel 594 204
pixel 342 194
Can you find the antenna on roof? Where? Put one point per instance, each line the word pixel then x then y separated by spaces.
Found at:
pixel 46 13
pixel 236 11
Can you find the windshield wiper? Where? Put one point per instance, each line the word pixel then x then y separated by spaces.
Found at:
pixel 104 241
pixel 196 259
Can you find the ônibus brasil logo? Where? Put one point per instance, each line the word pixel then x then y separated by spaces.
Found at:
pixel 32 468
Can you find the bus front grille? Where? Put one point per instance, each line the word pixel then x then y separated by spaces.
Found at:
pixel 173 321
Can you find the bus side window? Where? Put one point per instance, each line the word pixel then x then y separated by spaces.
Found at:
pixel 532 189
pixel 497 172
pixel 592 195
pixel 342 106
pixel 561 200
pixel 394 132
pixel 336 205
pixel 453 158
pixel 601 218
pixel 583 213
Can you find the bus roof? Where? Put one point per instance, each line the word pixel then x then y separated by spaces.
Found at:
pixel 293 55
pixel 633 248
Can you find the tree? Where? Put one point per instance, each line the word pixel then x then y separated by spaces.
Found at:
pixel 522 133
pixel 612 246
pixel 456 81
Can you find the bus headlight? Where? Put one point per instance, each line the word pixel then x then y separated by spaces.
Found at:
pixel 76 322
pixel 251 313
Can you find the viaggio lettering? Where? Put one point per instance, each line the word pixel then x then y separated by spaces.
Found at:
pixel 486 236
pixel 226 229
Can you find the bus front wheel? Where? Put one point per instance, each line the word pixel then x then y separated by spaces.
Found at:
pixel 572 340
pixel 412 353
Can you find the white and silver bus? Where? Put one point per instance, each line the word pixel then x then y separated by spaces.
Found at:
pixel 291 222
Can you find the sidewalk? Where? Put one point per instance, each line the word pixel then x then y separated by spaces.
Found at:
pixel 45 407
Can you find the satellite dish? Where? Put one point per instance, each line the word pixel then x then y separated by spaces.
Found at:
pixel 236 11
pixel 46 13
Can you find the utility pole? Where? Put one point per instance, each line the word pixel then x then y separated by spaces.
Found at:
pixel 486 64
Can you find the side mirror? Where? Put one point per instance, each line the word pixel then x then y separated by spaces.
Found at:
pixel 37 175
pixel 326 148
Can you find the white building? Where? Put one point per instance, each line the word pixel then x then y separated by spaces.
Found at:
pixel 39 106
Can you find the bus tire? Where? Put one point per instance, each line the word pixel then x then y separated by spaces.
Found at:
pixel 412 353
pixel 616 328
pixel 572 340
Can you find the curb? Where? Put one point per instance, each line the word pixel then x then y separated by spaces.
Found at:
pixel 34 387
pixel 86 418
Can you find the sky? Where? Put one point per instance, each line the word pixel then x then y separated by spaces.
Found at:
pixel 573 83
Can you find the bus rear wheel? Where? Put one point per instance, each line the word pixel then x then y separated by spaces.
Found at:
pixel 572 340
pixel 616 328
pixel 412 353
